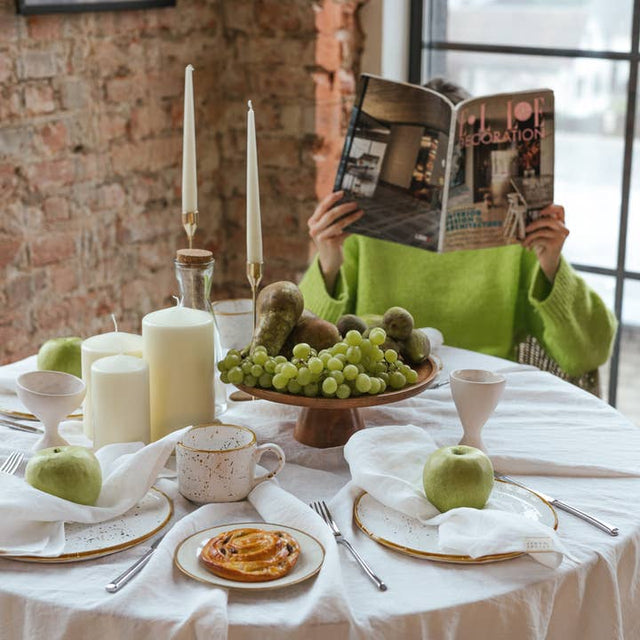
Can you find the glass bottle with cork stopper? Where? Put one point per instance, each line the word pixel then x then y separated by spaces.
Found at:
pixel 194 272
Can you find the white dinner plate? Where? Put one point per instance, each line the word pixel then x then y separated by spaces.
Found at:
pixel 89 541
pixel 11 406
pixel 411 537
pixel 187 557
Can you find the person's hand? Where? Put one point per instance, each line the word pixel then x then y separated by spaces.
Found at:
pixel 328 234
pixel 546 237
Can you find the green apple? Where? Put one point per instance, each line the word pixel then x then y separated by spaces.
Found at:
pixel 61 354
pixel 458 476
pixel 69 472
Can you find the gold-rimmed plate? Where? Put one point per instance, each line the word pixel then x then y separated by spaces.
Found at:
pixel 89 541
pixel 11 406
pixel 187 557
pixel 411 537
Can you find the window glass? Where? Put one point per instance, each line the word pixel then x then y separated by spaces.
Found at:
pixel 589 135
pixel 628 401
pixel 593 25
pixel 605 287
pixel 633 233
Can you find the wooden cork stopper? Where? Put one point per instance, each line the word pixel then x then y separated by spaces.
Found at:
pixel 194 256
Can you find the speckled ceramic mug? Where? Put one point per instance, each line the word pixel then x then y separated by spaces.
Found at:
pixel 217 463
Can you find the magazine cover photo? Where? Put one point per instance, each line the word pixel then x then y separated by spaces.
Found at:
pixel 394 162
pixel 502 169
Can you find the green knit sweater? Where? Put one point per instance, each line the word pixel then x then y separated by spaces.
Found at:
pixel 486 300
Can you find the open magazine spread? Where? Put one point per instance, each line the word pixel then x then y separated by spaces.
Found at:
pixel 441 177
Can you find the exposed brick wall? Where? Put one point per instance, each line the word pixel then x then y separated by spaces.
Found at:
pixel 90 151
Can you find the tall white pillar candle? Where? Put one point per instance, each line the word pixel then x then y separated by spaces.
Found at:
pixel 120 400
pixel 101 346
pixel 189 180
pixel 254 227
pixel 178 347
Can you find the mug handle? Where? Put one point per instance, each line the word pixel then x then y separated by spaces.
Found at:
pixel 259 452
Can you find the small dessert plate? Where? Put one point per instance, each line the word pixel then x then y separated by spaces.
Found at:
pixel 414 538
pixel 89 541
pixel 187 557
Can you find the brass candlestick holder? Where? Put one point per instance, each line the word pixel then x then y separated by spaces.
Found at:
pixel 190 224
pixel 254 275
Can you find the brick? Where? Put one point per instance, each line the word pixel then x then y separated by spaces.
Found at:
pixel 45 27
pixel 64 278
pixel 127 90
pixel 51 138
pixel 6 66
pixel 51 173
pixel 39 98
pixel 8 181
pixel 38 64
pixel 278 152
pixel 285 15
pixel 52 319
pixel 74 92
pixel 9 249
pixel 10 103
pixel 53 247
pixel 111 196
pixel 111 126
pixel 14 141
pixel 56 209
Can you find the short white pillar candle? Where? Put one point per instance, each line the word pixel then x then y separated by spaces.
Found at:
pixel 120 392
pixel 178 347
pixel 101 346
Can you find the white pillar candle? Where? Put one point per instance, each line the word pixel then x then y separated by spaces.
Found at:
pixel 178 347
pixel 254 228
pixel 120 400
pixel 189 180
pixel 101 346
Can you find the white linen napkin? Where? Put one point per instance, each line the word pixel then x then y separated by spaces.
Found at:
pixel 32 521
pixel 9 373
pixel 321 598
pixel 387 462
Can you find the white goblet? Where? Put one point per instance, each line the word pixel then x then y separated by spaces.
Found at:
pixel 50 396
pixel 476 394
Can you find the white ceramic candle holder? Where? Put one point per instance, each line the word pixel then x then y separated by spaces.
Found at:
pixel 50 396
pixel 476 394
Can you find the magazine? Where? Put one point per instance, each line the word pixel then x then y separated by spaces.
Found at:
pixel 445 177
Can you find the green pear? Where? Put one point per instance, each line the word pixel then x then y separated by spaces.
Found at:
pixel 69 472
pixel 61 354
pixel 458 476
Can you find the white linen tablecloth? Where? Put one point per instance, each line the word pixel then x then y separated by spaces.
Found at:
pixel 566 442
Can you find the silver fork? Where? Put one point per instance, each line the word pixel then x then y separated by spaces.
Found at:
pixel 322 510
pixel 11 464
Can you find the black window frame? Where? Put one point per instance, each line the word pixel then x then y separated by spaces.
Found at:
pixel 427 35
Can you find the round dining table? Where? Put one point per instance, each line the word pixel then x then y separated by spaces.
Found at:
pixel 550 435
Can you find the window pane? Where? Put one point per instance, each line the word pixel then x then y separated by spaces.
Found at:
pixel 605 287
pixel 590 102
pixel 633 233
pixel 628 396
pixel 593 25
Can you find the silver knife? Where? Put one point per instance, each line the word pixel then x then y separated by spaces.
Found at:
pixel 18 426
pixel 134 569
pixel 611 530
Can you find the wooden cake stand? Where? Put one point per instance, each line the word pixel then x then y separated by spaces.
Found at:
pixel 330 422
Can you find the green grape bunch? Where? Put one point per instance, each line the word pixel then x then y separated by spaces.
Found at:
pixel 355 366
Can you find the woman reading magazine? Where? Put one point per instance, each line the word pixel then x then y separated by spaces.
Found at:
pixel 486 300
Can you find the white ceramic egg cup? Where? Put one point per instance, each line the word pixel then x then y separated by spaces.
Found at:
pixel 476 394
pixel 50 396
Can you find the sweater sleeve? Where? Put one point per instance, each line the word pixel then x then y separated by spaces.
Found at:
pixel 568 318
pixel 331 306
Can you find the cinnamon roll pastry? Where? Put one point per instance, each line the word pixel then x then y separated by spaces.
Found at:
pixel 250 555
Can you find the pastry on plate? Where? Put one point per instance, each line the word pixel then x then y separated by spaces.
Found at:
pixel 250 555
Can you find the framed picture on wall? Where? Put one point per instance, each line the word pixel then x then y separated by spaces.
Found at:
pixel 29 7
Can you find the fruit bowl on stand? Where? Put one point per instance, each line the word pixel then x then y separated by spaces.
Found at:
pixel 330 422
